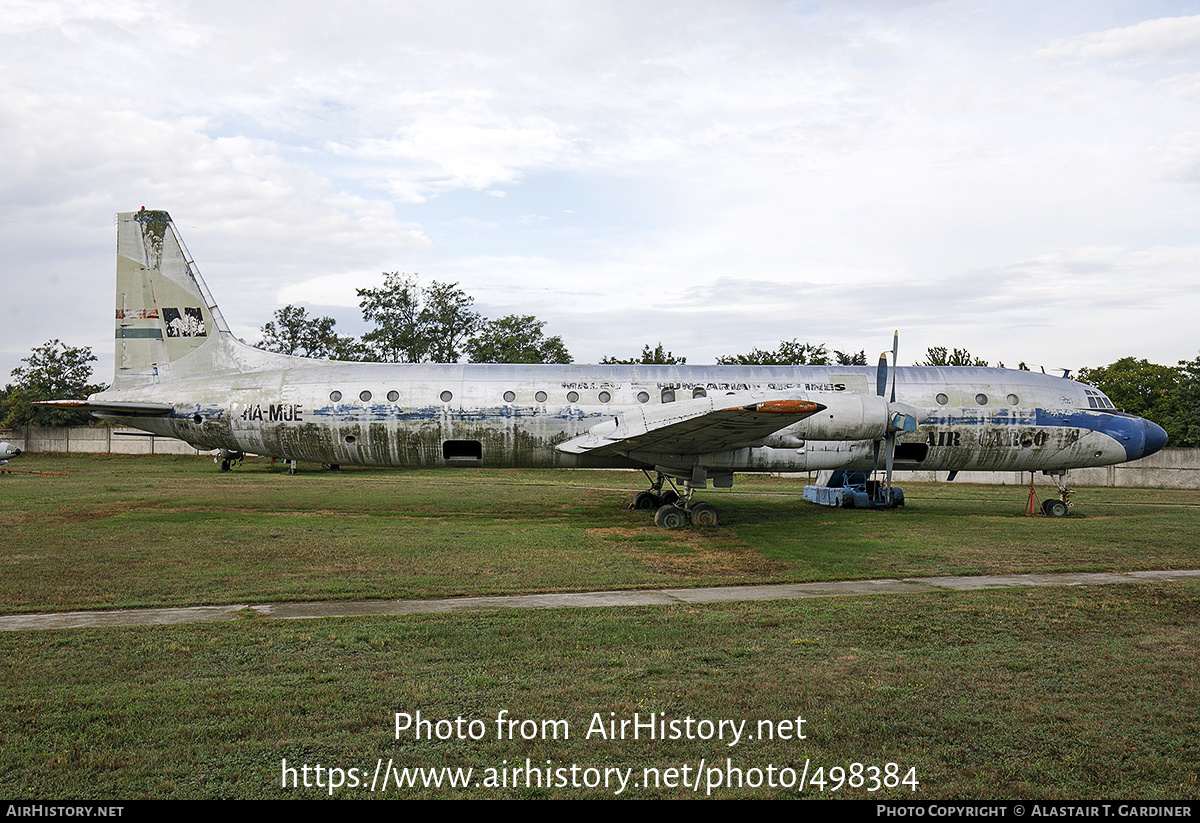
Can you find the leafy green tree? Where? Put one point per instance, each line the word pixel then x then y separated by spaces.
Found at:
pixel 347 347
pixel 1185 431
pixel 516 339
pixel 448 321
pixel 850 359
pixel 789 353
pixel 418 325
pixel 54 371
pixel 658 356
pixel 939 356
pixel 1139 387
pixel 395 309
pixel 293 331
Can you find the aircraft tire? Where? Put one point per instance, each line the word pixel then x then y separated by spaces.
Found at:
pixel 224 465
pixel 670 517
pixel 1054 508
pixel 646 501
pixel 705 514
pixel 670 497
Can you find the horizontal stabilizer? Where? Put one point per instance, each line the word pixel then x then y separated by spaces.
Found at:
pixel 115 407
pixel 700 426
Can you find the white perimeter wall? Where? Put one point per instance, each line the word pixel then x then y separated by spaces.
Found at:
pixel 1169 469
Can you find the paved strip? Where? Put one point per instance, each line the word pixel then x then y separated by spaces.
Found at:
pixel 584 600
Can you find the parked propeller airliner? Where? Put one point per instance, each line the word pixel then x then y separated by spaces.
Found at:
pixel 181 373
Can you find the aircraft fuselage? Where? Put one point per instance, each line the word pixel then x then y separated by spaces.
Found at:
pixel 419 415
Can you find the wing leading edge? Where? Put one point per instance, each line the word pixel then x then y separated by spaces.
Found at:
pixel 699 426
pixel 122 408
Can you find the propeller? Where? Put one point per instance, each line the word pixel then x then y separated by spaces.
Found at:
pixel 898 420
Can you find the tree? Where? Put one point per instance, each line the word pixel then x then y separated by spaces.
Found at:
pixel 650 357
pixel 938 356
pixel 789 353
pixel 850 359
pixel 395 310
pixel 348 347
pixel 516 339
pixel 415 325
pixel 448 320
pixel 293 331
pixel 55 371
pixel 1185 430
pixel 1139 387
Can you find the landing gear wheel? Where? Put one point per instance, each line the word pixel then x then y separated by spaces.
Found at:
pixel 670 517
pixel 670 497
pixel 1054 508
pixel 646 501
pixel 705 514
pixel 224 465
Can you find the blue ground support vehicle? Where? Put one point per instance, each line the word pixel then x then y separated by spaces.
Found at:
pixel 854 490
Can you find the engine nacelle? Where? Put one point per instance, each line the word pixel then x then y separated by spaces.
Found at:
pixel 855 417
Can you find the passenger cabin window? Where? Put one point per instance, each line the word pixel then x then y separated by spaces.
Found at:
pixel 668 396
pixel 572 397
pixel 509 396
pixel 1013 400
pixel 604 397
pixel 364 396
pixel 942 399
pixel 698 392
pixel 981 399
pixel 335 396
pixel 643 397
pixel 540 397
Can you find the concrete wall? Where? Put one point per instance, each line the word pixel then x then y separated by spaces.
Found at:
pixel 91 440
pixel 1169 469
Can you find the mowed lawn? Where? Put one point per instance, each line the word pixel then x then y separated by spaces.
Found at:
pixel 1056 693
pixel 121 532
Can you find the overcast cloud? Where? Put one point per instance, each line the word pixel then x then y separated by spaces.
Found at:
pixel 1019 179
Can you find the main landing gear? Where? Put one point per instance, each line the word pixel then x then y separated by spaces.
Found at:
pixel 673 509
pixel 228 459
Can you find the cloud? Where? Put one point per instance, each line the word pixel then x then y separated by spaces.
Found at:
pixel 1151 39
pixel 733 174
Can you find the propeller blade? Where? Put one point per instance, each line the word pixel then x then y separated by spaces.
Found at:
pixel 895 361
pixel 881 375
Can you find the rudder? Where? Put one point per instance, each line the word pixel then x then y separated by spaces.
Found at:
pixel 164 313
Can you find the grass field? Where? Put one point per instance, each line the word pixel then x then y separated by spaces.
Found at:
pixel 1039 693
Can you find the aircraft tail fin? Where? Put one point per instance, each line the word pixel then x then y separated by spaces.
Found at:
pixel 165 315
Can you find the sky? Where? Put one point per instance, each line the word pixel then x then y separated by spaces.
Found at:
pixel 1020 179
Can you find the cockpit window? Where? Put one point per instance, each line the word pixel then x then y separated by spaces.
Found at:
pixel 1097 400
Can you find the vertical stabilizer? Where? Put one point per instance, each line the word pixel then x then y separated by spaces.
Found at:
pixel 164 311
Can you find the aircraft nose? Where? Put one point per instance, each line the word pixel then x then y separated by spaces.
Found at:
pixel 1155 437
pixel 1138 436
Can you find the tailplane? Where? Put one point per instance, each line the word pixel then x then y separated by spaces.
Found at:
pixel 167 322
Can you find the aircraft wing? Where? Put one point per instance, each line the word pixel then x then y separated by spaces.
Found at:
pixel 122 408
pixel 699 426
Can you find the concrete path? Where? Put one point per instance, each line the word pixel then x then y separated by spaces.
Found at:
pixel 723 594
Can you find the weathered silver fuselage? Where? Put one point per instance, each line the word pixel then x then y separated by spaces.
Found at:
pixel 410 415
